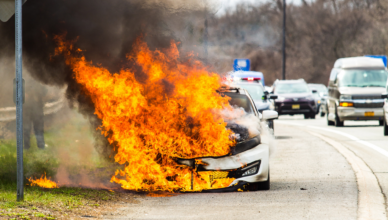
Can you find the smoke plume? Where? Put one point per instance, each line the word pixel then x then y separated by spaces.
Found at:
pixel 104 30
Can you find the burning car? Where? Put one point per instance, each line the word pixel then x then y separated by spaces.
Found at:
pixel 248 161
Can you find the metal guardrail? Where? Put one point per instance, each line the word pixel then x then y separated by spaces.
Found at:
pixel 9 113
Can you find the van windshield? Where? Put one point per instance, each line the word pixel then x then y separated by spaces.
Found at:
pixel 362 78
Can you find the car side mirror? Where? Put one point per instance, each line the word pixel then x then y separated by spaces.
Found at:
pixel 273 96
pixel 266 92
pixel 384 96
pixel 270 114
pixel 314 91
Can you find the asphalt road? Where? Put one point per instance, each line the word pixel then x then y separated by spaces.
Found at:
pixel 317 172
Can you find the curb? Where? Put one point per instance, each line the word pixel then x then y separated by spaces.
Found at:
pixel 371 202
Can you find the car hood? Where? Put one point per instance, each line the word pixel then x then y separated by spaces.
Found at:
pixel 361 90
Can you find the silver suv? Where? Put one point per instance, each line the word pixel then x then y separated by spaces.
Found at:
pixel 355 88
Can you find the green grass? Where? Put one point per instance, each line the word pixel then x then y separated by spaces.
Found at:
pixel 69 146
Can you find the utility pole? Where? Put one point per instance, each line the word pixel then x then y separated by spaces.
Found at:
pixel 205 38
pixel 19 99
pixel 284 41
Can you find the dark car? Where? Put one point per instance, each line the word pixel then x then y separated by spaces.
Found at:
pixel 294 97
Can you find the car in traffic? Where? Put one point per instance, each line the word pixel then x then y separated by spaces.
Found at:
pixel 248 161
pixel 321 96
pixel 246 76
pixel 355 88
pixel 260 97
pixel 294 97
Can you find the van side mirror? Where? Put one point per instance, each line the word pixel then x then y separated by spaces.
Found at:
pixel 384 96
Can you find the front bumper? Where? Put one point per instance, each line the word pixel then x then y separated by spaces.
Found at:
pixel 351 113
pixel 286 108
pixel 235 165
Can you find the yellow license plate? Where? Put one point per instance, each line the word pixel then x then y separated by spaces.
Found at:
pixel 295 106
pixel 369 114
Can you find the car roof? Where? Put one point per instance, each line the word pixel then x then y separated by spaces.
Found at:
pixel 290 81
pixel 248 83
pixel 247 73
pixel 359 63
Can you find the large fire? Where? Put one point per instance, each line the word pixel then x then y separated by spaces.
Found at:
pixel 174 113
pixel 43 182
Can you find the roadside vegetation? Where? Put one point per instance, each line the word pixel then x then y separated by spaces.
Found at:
pixel 70 148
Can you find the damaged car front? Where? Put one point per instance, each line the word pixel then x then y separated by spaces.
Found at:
pixel 248 161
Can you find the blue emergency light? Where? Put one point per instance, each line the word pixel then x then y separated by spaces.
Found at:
pixel 383 57
pixel 242 65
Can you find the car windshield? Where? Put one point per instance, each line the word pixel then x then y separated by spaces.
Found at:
pixel 283 88
pixel 255 90
pixel 362 78
pixel 238 100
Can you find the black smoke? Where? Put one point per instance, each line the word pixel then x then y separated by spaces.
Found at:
pixel 105 30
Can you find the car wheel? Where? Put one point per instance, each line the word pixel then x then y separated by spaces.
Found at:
pixel 329 123
pixel 312 116
pixel 265 185
pixel 306 116
pixel 385 128
pixel 338 122
pixel 322 114
pixel 271 126
pixel 381 122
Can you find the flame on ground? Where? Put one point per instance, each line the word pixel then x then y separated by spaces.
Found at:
pixel 43 182
pixel 172 114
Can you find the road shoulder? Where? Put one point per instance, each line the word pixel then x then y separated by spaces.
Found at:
pixel 371 203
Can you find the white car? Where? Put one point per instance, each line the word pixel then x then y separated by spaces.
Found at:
pixel 248 161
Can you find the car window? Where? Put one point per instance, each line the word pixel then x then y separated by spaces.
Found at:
pixel 362 78
pixel 283 88
pixel 255 91
pixel 238 100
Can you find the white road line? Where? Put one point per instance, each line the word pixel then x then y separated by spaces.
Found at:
pixel 351 137
pixel 370 198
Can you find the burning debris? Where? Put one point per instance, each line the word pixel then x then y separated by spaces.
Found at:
pixel 43 182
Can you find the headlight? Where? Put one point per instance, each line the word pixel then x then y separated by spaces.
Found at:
pixel 345 97
pixel 251 171
pixel 319 101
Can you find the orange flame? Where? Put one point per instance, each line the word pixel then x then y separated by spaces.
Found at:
pixel 43 182
pixel 172 114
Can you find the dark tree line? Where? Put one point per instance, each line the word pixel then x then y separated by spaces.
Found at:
pixel 318 33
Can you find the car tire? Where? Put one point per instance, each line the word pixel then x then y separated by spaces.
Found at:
pixel 306 116
pixel 322 114
pixel 271 126
pixel 265 185
pixel 329 123
pixel 259 186
pixel 381 122
pixel 385 128
pixel 338 122
pixel 312 116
